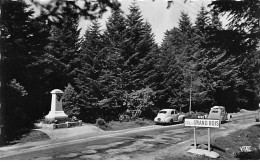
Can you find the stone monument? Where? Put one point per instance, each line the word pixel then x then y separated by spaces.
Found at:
pixel 56 106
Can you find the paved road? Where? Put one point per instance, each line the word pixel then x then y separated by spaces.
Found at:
pixel 127 145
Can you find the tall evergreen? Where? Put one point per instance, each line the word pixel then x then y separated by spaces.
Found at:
pixel 115 28
pixel 225 53
pixel 22 41
pixel 91 65
pixel 148 47
pixel 138 45
pixel 110 79
pixel 202 27
pixel 62 52
pixel 179 48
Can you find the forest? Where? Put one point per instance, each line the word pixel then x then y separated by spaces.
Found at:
pixel 107 72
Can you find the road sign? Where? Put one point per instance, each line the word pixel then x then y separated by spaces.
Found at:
pixel 202 123
pixel 209 123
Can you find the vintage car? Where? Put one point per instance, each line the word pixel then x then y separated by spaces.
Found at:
pixel 219 112
pixel 169 116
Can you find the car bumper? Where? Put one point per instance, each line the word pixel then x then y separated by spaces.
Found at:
pixel 160 122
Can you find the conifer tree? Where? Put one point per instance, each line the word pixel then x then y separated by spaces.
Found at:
pixel 62 51
pixel 224 56
pixel 110 80
pixel 22 42
pixel 71 103
pixel 116 26
pixel 91 65
pixel 179 46
pixel 138 45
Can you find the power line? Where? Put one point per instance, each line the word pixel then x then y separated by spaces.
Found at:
pixel 197 4
pixel 194 2
pixel 186 8
pixel 194 8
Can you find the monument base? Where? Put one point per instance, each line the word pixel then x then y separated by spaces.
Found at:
pixel 56 115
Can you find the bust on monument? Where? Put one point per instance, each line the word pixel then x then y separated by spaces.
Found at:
pixel 56 106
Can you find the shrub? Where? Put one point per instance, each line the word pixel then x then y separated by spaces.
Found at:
pixel 71 102
pixel 101 122
pixel 196 115
pixel 140 122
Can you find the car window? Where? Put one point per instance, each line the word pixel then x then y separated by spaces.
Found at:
pixel 215 111
pixel 173 112
pixel 163 112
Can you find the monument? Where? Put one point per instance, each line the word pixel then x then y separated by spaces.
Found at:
pixel 56 106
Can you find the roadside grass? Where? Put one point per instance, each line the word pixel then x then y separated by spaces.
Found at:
pixel 228 147
pixel 31 136
pixel 117 125
pixel 232 144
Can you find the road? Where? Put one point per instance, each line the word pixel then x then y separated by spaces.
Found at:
pixel 136 144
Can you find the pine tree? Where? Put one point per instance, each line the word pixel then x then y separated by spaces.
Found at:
pixel 22 41
pixel 116 26
pixel 179 47
pixel 184 24
pixel 138 45
pixel 225 54
pixel 62 53
pixel 110 79
pixel 148 47
pixel 202 21
pixel 71 103
pixel 130 48
pixel 205 91
pixel 169 72
pixel 91 65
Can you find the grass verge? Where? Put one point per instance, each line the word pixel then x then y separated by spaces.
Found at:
pixel 32 136
pixel 230 147
pixel 117 125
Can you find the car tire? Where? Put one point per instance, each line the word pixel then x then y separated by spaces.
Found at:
pixel 183 120
pixel 171 122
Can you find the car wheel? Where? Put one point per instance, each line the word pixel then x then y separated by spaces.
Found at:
pixel 171 122
pixel 183 120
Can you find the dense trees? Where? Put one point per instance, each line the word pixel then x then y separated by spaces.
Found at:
pixel 178 50
pixel 115 62
pixel 106 72
pixel 22 41
pixel 240 43
pixel 244 15
pixel 62 52
pixel 210 62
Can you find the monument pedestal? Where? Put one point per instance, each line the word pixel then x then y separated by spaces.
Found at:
pixel 56 115
pixel 56 106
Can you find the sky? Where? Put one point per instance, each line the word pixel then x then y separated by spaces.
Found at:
pixel 157 14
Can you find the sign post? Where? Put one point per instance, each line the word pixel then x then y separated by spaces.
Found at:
pixel 209 139
pixel 195 138
pixel 209 123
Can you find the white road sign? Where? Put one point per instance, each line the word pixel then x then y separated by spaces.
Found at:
pixel 202 123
